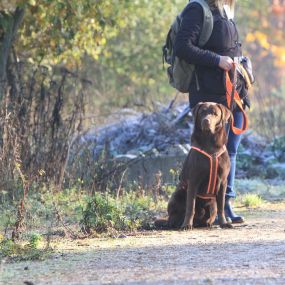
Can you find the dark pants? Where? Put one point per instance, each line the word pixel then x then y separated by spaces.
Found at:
pixel 232 146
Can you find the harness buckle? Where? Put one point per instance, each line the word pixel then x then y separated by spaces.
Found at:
pixel 214 155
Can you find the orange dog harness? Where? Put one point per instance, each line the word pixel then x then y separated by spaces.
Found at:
pixel 214 163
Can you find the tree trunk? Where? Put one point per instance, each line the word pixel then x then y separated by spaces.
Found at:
pixel 9 25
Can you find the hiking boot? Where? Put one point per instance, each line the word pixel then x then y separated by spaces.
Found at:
pixel 229 213
pixel 216 222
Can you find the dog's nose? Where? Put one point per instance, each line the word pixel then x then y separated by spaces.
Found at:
pixel 206 123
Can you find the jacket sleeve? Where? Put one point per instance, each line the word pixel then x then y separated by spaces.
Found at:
pixel 186 41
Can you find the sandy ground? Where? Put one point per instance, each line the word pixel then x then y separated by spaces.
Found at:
pixel 252 253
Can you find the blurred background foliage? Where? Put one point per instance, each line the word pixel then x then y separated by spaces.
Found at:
pixel 117 45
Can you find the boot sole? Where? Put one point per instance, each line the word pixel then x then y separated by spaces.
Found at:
pixel 238 221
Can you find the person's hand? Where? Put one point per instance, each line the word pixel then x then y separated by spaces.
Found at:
pixel 226 63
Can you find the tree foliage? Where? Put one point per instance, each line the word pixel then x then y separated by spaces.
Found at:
pixel 136 50
pixel 118 42
pixel 62 31
pixel 263 28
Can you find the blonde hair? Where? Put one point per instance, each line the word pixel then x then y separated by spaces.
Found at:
pixel 220 4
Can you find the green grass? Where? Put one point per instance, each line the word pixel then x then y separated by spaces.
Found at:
pixel 40 208
pixel 32 249
pixel 100 213
pixel 252 200
pixel 104 213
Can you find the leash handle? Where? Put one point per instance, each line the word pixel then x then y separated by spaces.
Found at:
pixel 233 97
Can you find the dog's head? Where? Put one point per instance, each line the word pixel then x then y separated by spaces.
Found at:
pixel 209 116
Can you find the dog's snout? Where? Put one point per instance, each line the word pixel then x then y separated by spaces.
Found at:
pixel 206 123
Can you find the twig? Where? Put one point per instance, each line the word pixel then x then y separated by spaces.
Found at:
pixel 120 185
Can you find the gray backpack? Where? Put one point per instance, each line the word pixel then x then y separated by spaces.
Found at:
pixel 179 72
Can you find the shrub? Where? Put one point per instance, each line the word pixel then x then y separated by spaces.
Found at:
pixel 252 200
pixel 278 147
pixel 18 251
pixel 137 211
pixel 104 213
pixel 34 240
pixel 101 213
pixel 7 247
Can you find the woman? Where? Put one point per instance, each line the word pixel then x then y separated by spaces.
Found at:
pixel 211 63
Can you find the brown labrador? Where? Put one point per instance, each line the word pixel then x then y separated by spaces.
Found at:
pixel 198 197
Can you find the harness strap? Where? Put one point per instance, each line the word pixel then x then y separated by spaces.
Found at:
pixel 214 163
pixel 237 100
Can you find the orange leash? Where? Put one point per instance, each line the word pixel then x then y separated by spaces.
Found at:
pixel 237 100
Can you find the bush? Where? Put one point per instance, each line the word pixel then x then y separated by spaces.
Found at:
pixel 278 147
pixel 18 251
pixel 252 200
pixel 34 241
pixel 137 211
pixel 7 247
pixel 104 213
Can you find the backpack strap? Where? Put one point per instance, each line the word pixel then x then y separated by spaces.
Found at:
pixel 208 22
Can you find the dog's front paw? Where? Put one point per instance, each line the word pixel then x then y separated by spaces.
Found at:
pixel 226 226
pixel 209 226
pixel 186 227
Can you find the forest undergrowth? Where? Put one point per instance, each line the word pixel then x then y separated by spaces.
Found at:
pixel 78 214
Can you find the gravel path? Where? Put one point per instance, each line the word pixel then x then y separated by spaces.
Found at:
pixel 253 253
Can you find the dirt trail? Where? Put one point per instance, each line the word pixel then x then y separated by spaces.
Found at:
pixel 253 253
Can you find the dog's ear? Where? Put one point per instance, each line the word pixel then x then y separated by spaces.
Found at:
pixel 226 113
pixel 195 110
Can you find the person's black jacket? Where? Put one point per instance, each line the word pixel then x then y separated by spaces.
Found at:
pixel 208 84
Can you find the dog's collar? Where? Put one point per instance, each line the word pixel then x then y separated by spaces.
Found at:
pixel 211 155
